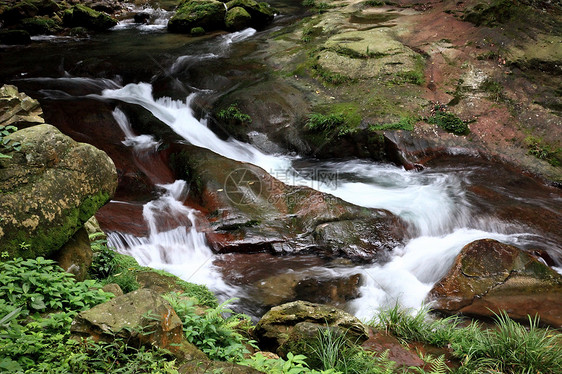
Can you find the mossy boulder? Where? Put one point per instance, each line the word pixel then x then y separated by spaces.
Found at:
pixel 21 10
pixel 283 326
pixel 488 277
pixel 46 7
pixel 237 18
pixel 82 16
pixel 40 25
pixel 262 13
pixel 48 189
pixel 208 14
pixel 140 317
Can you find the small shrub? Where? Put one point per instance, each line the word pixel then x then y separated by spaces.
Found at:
pixel 234 115
pixel 449 122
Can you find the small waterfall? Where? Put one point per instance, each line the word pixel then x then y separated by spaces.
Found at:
pixel 138 142
pixel 173 244
pixel 433 202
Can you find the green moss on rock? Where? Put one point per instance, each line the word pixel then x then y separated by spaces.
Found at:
pixel 82 16
pixel 208 14
pixel 237 18
pixel 40 25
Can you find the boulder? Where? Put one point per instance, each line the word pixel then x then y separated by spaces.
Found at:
pixel 82 16
pixel 40 25
pixel 208 14
pixel 19 11
pixel 18 109
pixel 14 37
pixel 49 188
pixel 261 13
pixel 381 341
pixel 94 230
pixel 252 211
pixel 114 288
pixel 140 317
pixel 276 326
pixel 488 277
pixel 76 255
pixel 237 18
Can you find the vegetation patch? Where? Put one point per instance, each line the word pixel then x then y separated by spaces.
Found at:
pixel 508 348
pixel 234 116
pixel 330 77
pixel 405 123
pixel 340 119
pixel 7 146
pixel 449 122
pixel 537 147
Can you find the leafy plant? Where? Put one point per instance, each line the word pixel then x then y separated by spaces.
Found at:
pixel 39 285
pixel 233 114
pixel 215 334
pixel 294 364
pixel 109 266
pixel 5 144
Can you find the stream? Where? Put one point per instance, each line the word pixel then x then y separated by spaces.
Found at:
pixel 455 200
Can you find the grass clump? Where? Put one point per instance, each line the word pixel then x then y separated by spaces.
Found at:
pixel 507 348
pixel 329 77
pixel 342 119
pixel 449 122
pixel 537 148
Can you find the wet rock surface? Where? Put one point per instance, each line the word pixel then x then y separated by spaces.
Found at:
pixel 250 211
pixel 489 276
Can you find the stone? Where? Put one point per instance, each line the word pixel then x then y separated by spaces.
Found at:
pixel 114 288
pixel 14 37
pixel 76 255
pixel 237 19
pixel 82 16
pixel 287 287
pixel 275 327
pixel 49 189
pixel 40 26
pixel 131 317
pixel 94 230
pixel 263 213
pixel 18 109
pixel 488 277
pixel 208 14
pixel 381 341
pixel 19 11
pixel 261 13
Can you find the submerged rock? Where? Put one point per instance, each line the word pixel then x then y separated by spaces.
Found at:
pixel 49 188
pixel 488 277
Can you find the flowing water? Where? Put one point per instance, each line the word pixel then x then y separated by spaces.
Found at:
pixel 443 204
